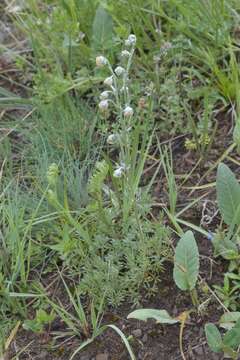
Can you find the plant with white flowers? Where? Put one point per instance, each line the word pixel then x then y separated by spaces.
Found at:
pixel 128 111
pixel 118 96
pixel 103 105
pixel 101 61
pixel 119 70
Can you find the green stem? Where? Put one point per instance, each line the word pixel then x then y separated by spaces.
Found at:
pixel 194 297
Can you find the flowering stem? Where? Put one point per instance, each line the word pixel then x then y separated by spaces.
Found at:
pixel 115 89
pixel 125 77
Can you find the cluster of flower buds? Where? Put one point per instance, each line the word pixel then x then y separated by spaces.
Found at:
pixel 163 51
pixel 14 9
pixel 119 74
pixel 120 170
pixel 108 81
pixel 103 105
pixel 125 54
pixel 166 46
pixel 131 40
pixel 112 139
pixel 52 174
pixel 119 70
pixel 128 112
pixel 104 95
pixel 101 61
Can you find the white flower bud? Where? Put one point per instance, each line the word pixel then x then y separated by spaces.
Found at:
pixel 101 61
pixel 125 53
pixel 131 40
pixel 118 172
pixel 112 139
pixel 128 111
pixel 104 95
pixel 15 9
pixel 108 81
pixel 103 105
pixel 166 46
pixel 124 88
pixel 119 70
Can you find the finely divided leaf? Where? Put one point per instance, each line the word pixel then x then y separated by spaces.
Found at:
pixel 228 194
pixel 186 262
pixel 161 316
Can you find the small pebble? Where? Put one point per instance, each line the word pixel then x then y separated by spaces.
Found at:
pixel 199 351
pixel 216 357
pixel 137 333
pixel 84 357
pixel 145 338
pixel 42 356
pixel 103 356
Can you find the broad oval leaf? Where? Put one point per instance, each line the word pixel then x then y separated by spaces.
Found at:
pixel 161 316
pixel 228 320
pixel 225 247
pixel 232 338
pixel 214 337
pixel 228 194
pixel 186 262
pixel 102 30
